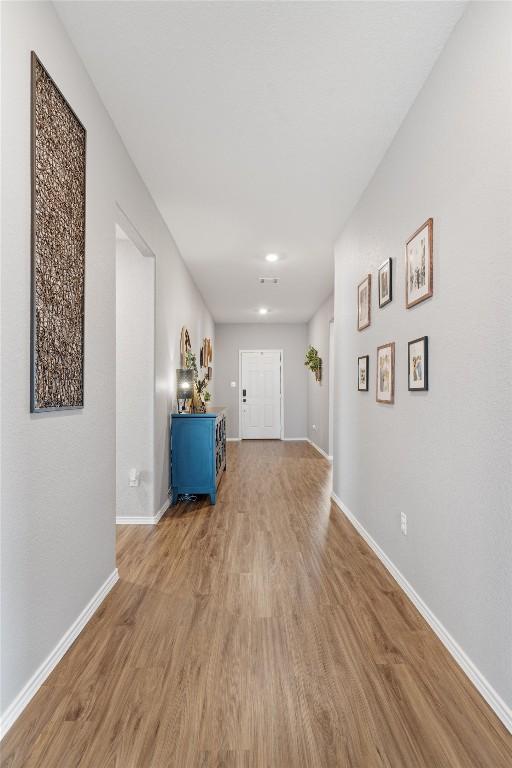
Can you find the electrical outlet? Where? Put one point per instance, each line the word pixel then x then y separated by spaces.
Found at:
pixel 403 523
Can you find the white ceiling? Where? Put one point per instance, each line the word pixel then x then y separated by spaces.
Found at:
pixel 256 126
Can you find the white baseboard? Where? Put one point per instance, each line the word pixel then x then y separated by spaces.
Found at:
pixel 15 709
pixel 317 448
pixel 285 439
pixel 163 509
pixel 143 519
pixel 492 697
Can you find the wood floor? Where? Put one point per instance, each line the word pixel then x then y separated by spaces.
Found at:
pixel 261 632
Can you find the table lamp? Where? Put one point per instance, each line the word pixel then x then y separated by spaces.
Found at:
pixel 184 386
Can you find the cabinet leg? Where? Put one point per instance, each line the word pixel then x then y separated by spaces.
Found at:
pixel 174 497
pixel 213 498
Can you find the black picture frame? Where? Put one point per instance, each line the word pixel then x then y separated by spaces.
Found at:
pixel 424 388
pixel 388 265
pixel 366 359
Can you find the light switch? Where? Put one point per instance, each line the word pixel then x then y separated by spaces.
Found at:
pixel 232 384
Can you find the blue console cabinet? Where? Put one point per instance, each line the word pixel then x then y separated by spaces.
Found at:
pixel 197 452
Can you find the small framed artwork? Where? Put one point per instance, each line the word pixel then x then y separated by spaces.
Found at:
pixel 386 373
pixel 419 265
pixel 362 373
pixel 364 298
pixel 385 273
pixel 418 364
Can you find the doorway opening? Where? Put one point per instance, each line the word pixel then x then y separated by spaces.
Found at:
pixel 135 376
pixel 261 394
pixel 331 388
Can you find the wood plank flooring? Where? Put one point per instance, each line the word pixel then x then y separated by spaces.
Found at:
pixel 262 632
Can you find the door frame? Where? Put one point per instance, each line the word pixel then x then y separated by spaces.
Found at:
pixel 281 409
pixel 122 220
pixel 331 388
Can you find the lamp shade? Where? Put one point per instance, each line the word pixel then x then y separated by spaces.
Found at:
pixel 184 382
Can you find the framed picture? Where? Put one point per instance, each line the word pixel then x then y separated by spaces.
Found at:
pixel 419 272
pixel 386 373
pixel 185 346
pixel 364 298
pixel 385 273
pixel 418 364
pixel 362 373
pixel 58 165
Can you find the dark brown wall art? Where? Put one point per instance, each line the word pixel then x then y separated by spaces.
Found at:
pixel 58 248
pixel 206 353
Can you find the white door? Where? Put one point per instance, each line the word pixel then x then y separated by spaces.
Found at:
pixel 260 394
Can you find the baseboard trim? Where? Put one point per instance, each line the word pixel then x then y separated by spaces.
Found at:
pixel 143 519
pixel 491 696
pixel 15 709
pixel 285 439
pixel 317 448
pixel 163 509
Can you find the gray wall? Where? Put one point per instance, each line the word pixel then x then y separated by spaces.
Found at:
pixel 292 339
pixel 135 378
pixel 58 469
pixel 442 457
pixel 318 393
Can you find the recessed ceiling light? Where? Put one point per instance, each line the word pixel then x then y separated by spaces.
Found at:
pixel 263 310
pixel 272 257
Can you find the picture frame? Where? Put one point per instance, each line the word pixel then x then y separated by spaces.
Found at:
pixel 385 374
pixel 419 265
pixel 417 365
pixel 364 303
pixel 58 150
pixel 185 346
pixel 362 373
pixel 385 278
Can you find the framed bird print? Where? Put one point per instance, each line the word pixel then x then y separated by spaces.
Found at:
pixel 418 364
pixel 419 265
pixel 364 303
pixel 385 273
pixel 362 373
pixel 386 373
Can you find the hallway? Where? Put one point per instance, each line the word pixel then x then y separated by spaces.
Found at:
pixel 260 632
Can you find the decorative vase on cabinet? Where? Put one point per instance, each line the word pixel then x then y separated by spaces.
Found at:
pixel 197 452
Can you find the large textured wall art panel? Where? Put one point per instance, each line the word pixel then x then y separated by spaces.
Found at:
pixel 58 247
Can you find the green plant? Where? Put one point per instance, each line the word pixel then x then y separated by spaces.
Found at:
pixel 201 385
pixel 191 362
pixel 313 362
